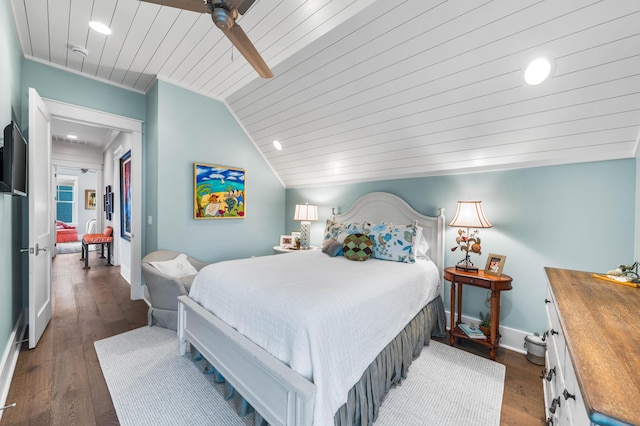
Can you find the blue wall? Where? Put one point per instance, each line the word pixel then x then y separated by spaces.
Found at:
pixel 63 86
pixel 184 128
pixel 560 216
pixel 578 216
pixel 10 207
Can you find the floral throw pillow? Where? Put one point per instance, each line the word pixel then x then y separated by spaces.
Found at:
pixel 339 230
pixel 394 242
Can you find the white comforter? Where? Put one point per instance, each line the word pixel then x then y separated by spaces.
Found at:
pixel 325 317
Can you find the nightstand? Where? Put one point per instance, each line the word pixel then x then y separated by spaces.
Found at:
pixel 280 249
pixel 477 279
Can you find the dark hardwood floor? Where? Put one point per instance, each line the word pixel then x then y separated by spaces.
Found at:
pixel 60 381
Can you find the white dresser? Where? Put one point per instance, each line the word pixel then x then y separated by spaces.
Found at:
pixel 563 400
pixel 592 368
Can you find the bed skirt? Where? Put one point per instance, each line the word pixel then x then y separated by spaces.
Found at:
pixel 388 369
pixel 391 366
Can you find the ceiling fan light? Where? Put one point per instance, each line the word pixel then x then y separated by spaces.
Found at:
pixel 277 145
pixel 100 27
pixel 537 71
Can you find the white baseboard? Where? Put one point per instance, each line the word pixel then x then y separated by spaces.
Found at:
pixel 10 358
pixel 510 338
pixel 125 273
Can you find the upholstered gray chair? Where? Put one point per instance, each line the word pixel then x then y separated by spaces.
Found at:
pixel 164 290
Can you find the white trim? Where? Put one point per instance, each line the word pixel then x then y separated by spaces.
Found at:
pixel 132 126
pixel 510 338
pixel 10 358
pixel 89 76
pixel 90 116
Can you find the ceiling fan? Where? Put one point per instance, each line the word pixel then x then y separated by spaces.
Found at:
pixel 224 14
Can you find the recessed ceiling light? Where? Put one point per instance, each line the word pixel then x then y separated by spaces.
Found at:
pixel 277 145
pixel 100 27
pixel 537 71
pixel 72 136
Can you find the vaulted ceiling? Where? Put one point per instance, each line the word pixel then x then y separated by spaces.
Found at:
pixel 369 89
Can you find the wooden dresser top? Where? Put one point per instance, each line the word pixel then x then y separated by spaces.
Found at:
pixel 601 325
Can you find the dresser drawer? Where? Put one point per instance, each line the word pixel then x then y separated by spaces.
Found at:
pixel 575 404
pixel 554 331
pixel 469 280
pixel 559 407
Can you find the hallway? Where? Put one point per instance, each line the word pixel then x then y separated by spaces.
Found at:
pixel 60 381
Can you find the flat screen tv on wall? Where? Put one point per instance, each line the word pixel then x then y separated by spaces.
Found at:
pixel 13 161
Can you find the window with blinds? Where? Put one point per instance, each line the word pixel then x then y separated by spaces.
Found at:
pixel 67 200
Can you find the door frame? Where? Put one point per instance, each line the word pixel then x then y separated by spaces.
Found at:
pixel 133 127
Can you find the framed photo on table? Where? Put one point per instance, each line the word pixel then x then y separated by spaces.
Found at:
pixel 495 263
pixel 286 241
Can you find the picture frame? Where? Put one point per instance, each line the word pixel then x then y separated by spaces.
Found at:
pixel 286 241
pixel 90 199
pixel 108 202
pixel 218 192
pixel 295 235
pixel 125 196
pixel 495 263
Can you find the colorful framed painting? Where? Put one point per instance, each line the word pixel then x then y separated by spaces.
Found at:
pixel 125 196
pixel 90 199
pixel 218 192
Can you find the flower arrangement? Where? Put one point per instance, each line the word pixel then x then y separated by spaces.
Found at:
pixel 468 243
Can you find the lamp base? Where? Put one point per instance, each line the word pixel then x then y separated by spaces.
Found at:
pixel 305 235
pixel 466 265
pixel 467 268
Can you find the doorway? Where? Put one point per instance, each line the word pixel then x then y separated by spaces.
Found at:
pixel 75 205
pixel 129 138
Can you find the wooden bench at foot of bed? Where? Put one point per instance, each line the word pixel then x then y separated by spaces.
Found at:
pixel 105 239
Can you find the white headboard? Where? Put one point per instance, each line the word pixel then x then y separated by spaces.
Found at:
pixel 382 206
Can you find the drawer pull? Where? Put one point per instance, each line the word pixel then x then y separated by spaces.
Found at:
pixel 549 422
pixel 547 301
pixel 554 332
pixel 567 395
pixel 554 405
pixel 543 373
pixel 551 373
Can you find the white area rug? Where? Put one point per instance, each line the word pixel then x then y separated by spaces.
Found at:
pixel 151 385
pixel 72 247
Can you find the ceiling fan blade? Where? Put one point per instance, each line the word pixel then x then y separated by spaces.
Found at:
pixel 240 40
pixel 241 5
pixel 193 5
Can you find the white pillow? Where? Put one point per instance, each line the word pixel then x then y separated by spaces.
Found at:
pixel 422 246
pixel 175 268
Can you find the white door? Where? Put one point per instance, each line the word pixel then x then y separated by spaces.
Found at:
pixel 40 218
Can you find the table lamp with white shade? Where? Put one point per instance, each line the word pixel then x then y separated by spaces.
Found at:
pixel 469 215
pixel 306 213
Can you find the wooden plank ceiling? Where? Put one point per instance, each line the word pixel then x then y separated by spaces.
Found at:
pixel 369 90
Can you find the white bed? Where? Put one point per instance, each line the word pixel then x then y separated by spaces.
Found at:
pixel 251 342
